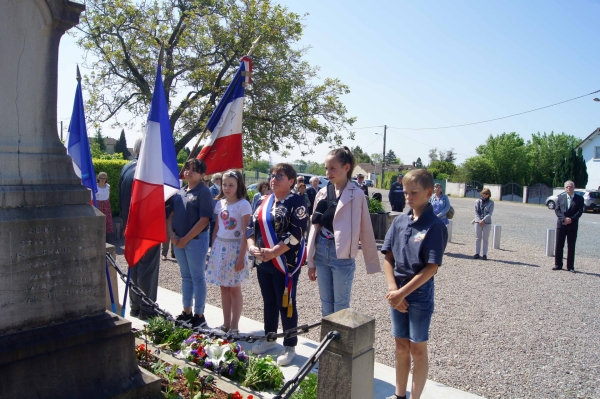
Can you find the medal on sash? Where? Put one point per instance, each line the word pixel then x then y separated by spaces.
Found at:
pixel 266 223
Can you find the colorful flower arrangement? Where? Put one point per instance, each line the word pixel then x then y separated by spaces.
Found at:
pixel 219 355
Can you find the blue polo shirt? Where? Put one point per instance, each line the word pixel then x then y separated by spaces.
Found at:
pixel 189 207
pixel 415 243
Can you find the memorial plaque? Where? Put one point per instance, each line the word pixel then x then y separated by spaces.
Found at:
pixel 49 269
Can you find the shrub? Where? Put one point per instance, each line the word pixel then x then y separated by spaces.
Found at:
pixel 112 167
pixel 375 206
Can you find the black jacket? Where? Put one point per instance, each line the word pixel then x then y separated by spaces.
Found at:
pixel 312 193
pixel 574 211
pixel 125 189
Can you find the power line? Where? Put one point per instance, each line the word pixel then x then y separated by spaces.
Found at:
pixel 492 120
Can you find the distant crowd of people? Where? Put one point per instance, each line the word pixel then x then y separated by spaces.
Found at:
pixel 287 224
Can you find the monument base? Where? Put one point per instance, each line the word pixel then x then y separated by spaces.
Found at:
pixel 88 358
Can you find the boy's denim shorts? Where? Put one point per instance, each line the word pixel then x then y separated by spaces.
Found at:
pixel 414 324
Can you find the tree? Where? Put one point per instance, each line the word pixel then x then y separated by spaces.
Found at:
pixel 316 168
pixel 260 165
pixel 441 169
pixel 360 155
pixel 571 167
pixel 98 139
pixel 121 146
pixel 390 158
pixel 545 152
pixel 440 155
pixel 183 155
pixel 376 158
pixel 418 163
pixel 286 107
pixel 507 155
pixel 300 165
pixel 475 168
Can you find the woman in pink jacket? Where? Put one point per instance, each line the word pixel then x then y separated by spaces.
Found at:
pixel 340 220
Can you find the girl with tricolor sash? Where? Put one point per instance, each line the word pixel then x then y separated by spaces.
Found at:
pixel 276 240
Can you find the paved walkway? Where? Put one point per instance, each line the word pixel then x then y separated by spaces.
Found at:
pixel 384 376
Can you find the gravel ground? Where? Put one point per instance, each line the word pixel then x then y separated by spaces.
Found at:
pixel 509 327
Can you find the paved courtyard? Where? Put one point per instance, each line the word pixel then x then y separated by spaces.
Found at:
pixel 509 327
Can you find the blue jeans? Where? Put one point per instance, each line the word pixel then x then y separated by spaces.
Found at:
pixel 414 324
pixel 334 277
pixel 192 263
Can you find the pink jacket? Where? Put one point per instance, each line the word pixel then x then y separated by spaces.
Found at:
pixel 351 222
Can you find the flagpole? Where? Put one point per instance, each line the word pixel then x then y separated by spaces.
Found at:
pixel 110 290
pixel 203 134
pixel 126 290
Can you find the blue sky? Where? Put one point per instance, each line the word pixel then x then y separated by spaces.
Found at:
pixel 418 64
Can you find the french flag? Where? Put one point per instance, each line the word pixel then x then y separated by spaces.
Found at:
pixel 223 150
pixel 156 179
pixel 78 145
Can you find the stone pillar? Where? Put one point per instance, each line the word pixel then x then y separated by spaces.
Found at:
pixel 52 272
pixel 449 227
pixel 346 367
pixel 550 238
pixel 525 194
pixel 497 234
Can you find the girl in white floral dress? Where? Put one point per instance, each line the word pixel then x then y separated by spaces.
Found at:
pixel 228 267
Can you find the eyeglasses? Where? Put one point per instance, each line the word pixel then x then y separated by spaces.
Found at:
pixel 278 177
pixel 229 173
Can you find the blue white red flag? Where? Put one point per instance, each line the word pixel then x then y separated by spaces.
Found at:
pixel 156 179
pixel 223 149
pixel 78 145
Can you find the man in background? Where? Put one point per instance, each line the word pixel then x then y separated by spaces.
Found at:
pixel 360 181
pixel 396 195
pixel 312 191
pixel 569 208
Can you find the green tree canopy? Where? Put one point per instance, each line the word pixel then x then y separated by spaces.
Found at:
pixel 360 155
pixel 571 167
pixel 376 157
pixel 260 165
pixel 391 158
pixel 545 152
pixel 121 146
pixel 99 140
pixel 441 155
pixel 418 163
pixel 441 169
pixel 286 108
pixel 507 155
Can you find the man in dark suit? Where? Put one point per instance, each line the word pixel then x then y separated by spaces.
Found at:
pixel 312 191
pixel 569 208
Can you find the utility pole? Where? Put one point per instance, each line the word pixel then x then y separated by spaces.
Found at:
pixel 61 130
pixel 383 159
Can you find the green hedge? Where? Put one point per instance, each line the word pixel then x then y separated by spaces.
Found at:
pixel 113 168
pixel 390 177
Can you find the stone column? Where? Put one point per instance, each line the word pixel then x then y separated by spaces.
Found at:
pixel 52 272
pixel 346 367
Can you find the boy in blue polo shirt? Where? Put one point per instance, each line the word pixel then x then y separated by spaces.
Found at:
pixel 413 248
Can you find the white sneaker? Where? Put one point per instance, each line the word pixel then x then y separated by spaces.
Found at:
pixel 289 352
pixel 263 346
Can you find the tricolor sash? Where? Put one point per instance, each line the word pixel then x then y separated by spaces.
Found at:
pixel 266 223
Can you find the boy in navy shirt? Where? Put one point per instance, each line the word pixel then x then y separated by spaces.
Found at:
pixel 413 250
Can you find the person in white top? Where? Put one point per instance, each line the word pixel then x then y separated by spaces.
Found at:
pixel 228 264
pixel 103 200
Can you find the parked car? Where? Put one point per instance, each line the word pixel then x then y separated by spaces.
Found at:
pixel 369 183
pixel 591 200
pixel 252 187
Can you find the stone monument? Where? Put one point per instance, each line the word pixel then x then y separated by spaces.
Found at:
pixel 56 339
